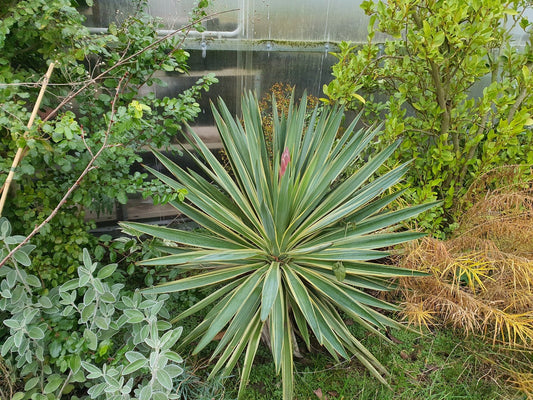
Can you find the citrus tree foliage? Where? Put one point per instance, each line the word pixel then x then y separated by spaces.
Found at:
pixel 451 83
pixel 285 245
pixel 34 33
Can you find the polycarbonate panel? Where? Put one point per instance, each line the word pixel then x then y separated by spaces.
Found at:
pixel 253 44
pixel 278 24
pixel 311 20
pixel 261 20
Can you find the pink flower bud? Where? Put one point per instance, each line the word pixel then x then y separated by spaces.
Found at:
pixel 285 159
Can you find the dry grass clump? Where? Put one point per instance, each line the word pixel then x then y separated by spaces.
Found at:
pixel 487 292
pixel 6 385
pixel 481 280
pixel 524 382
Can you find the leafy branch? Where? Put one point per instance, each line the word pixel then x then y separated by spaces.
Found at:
pixel 102 75
pixel 90 166
pixel 83 85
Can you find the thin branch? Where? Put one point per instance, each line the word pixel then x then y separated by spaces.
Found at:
pixel 85 142
pixel 20 150
pixel 125 60
pixel 67 380
pixel 519 100
pixel 90 166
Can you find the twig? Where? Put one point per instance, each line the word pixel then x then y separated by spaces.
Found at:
pixel 20 150
pixel 90 166
pixel 64 384
pixel 122 62
pixel 85 142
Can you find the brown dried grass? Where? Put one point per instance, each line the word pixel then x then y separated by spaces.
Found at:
pixel 6 385
pixel 481 280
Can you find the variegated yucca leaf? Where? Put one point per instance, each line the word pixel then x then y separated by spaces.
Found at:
pixel 286 243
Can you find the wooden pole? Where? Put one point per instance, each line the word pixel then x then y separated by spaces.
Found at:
pixel 20 150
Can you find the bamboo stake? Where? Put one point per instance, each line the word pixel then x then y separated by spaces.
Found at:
pixel 20 150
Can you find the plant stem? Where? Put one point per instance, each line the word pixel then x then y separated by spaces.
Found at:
pixel 64 385
pixel 90 166
pixel 473 149
pixel 125 60
pixel 20 150
pixel 516 105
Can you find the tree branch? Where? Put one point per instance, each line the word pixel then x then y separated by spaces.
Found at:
pixel 125 60
pixel 90 166
pixel 20 150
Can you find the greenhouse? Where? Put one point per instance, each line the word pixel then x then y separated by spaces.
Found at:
pixel 265 199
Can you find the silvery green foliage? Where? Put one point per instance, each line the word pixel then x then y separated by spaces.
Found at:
pixel 146 369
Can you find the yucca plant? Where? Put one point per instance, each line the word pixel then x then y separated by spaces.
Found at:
pixel 286 244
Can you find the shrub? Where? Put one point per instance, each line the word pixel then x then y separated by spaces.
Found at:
pixel 449 80
pixel 87 338
pixel 286 246
pixel 93 74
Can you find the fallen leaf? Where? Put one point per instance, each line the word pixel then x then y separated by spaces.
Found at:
pixel 319 394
